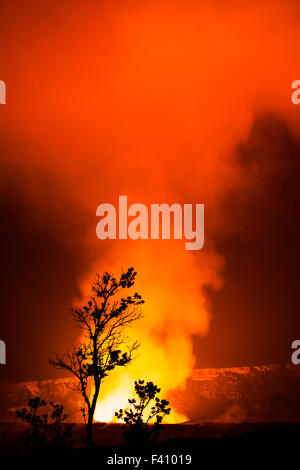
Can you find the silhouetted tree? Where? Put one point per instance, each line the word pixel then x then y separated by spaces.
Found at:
pixel 46 429
pixel 102 320
pixel 137 428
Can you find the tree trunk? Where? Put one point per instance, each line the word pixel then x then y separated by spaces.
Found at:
pixel 89 428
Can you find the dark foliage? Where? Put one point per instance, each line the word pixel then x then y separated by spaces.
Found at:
pixel 47 428
pixel 148 407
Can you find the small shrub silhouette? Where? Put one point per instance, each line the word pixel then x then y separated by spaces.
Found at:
pixel 138 428
pixel 46 428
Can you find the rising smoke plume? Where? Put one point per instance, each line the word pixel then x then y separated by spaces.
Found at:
pixel 148 99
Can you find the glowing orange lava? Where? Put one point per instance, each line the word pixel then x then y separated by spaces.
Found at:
pixel 116 398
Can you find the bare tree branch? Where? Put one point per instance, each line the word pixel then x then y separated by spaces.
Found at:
pixel 103 320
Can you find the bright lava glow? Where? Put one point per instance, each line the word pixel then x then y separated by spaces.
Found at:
pixel 117 398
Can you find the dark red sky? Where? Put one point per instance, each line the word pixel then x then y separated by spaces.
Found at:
pixel 165 103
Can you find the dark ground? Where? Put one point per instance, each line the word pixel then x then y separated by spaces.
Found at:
pixel 209 445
